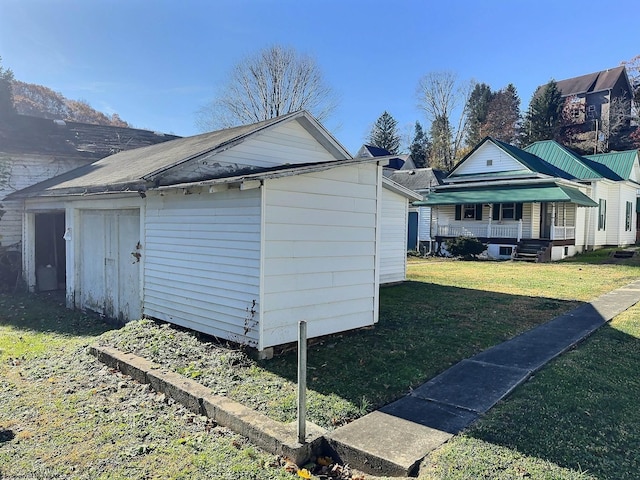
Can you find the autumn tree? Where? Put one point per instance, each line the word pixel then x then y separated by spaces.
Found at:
pixel 273 82
pixel 384 134
pixel 441 155
pixel 6 91
pixel 420 146
pixel 40 101
pixel 543 118
pixel 502 120
pixel 444 100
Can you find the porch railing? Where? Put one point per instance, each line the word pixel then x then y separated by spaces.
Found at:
pixel 563 233
pixel 487 230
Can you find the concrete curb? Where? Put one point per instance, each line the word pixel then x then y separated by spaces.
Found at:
pixel 272 436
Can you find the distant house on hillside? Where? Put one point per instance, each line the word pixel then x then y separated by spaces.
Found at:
pixel 34 149
pixel 597 96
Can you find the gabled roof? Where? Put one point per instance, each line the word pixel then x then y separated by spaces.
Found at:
pixel 367 151
pixel 532 162
pixel 576 165
pixel 591 82
pixel 137 170
pixel 619 162
pixel 24 134
pixel 419 179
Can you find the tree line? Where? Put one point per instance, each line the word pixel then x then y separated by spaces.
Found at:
pixel 40 101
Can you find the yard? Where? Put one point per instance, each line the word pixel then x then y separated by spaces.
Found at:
pixel 62 413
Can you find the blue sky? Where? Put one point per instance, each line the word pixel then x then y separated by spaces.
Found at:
pixel 155 63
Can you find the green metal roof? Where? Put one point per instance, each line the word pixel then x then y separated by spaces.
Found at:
pixel 619 162
pixel 508 194
pixel 533 161
pixel 563 158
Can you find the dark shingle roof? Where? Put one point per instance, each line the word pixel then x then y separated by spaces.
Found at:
pixel 592 82
pixel 370 150
pixel 416 180
pixel 24 134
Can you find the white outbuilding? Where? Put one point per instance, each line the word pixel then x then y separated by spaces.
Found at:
pixel 239 233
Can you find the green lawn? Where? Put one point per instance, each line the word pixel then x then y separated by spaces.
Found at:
pixel 62 413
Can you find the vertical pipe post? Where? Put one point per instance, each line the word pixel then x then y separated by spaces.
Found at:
pixel 302 381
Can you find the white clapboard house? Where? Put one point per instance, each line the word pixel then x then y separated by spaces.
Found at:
pixel 239 233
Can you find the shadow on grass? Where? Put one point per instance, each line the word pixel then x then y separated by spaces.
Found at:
pixel 578 412
pixel 423 329
pixel 46 312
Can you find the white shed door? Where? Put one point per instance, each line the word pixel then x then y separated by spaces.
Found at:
pixel 109 271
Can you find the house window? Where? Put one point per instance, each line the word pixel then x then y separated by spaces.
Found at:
pixel 505 251
pixel 575 112
pixel 628 213
pixel 602 214
pixel 489 162
pixel 507 211
pixel 469 211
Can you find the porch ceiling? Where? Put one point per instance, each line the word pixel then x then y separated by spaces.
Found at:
pixel 509 194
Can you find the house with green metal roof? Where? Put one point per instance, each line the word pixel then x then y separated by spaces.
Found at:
pixel 613 182
pixel 541 203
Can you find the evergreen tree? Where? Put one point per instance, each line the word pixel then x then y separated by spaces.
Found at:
pixel 441 155
pixel 543 119
pixel 419 148
pixel 384 134
pixel 6 91
pixel 477 110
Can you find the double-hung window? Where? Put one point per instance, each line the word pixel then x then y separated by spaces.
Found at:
pixel 602 214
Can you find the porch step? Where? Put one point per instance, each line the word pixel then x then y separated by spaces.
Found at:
pixel 624 253
pixel 531 251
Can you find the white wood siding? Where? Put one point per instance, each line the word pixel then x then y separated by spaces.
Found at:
pixel 424 224
pixel 285 144
pixel 393 244
pixel 319 253
pixel 202 261
pixel 499 161
pixel 24 171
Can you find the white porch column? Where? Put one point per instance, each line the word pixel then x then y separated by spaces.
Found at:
pixel 519 230
pixel 490 219
pixel 553 221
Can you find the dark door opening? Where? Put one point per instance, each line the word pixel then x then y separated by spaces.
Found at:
pixel 50 251
pixel 545 220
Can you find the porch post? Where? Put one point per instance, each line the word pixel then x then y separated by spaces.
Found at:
pixel 553 221
pixel 519 230
pixel 490 219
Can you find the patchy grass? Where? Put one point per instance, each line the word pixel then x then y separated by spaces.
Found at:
pixel 64 415
pixel 578 418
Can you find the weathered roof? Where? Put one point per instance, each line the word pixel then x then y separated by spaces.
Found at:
pixel 569 161
pixel 136 170
pixel 417 179
pixel 23 134
pixel 546 192
pixel 591 82
pixel 619 162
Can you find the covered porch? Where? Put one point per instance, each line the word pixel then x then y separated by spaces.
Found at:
pixel 504 216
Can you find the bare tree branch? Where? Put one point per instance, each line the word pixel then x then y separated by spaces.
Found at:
pixel 273 82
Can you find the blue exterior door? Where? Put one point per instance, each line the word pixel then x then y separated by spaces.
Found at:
pixel 412 232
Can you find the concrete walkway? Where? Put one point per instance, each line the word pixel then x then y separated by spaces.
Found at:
pixel 394 439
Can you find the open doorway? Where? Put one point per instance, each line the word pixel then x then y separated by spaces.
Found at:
pixel 50 251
